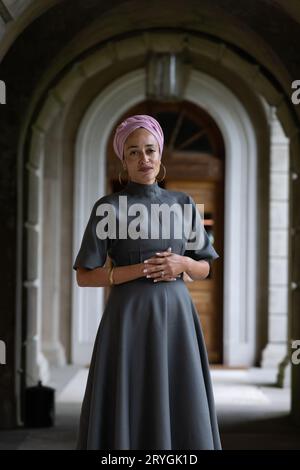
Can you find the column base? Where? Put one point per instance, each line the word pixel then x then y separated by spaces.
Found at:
pixel 37 366
pixel 54 353
pixel 275 356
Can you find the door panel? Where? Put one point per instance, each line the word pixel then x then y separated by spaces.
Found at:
pixel 206 293
pixel 194 157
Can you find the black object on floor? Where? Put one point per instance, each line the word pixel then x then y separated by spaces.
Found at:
pixel 39 406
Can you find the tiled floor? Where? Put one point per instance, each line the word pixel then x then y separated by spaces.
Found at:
pixel 253 413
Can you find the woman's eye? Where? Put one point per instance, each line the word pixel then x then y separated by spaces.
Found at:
pixel 135 152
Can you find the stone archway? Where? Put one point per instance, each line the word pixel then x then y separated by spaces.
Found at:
pixel 240 205
pixel 57 101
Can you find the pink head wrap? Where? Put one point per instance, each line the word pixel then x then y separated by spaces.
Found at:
pixel 132 123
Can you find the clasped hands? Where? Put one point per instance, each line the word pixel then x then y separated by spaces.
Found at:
pixel 164 266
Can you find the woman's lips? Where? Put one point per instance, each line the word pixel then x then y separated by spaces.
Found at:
pixel 146 169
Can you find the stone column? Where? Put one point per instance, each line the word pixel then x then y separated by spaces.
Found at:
pixel 295 276
pixel 36 363
pixel 53 199
pixel 275 352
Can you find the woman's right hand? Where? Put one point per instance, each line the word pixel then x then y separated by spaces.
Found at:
pixel 165 278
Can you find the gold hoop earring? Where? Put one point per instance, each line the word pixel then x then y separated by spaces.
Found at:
pixel 120 179
pixel 165 172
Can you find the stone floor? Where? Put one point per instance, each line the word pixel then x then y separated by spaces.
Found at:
pixel 253 413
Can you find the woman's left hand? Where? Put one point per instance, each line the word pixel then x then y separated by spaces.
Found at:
pixel 170 264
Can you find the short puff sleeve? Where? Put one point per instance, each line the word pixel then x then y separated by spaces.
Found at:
pixel 93 250
pixel 204 250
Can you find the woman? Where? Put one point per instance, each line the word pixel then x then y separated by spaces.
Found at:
pixel 149 383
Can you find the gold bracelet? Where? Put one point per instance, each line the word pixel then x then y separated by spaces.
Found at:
pixel 111 280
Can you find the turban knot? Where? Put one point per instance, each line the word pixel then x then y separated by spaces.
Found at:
pixel 132 123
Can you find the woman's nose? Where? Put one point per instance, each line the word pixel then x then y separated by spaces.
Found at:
pixel 144 155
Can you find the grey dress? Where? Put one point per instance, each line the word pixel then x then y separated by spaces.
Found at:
pixel 149 384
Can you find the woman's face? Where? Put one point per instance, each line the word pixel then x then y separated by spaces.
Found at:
pixel 141 156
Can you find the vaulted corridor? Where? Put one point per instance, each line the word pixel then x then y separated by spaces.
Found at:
pixel 219 75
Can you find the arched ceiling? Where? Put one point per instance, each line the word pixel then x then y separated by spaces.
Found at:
pixel 40 38
pixel 16 16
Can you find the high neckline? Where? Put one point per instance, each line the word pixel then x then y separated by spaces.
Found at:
pixel 142 189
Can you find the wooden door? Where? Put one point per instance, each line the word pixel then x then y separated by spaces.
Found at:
pixel 194 156
pixel 206 293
